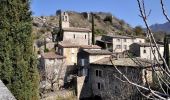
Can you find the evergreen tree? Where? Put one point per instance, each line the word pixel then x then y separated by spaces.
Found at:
pixel 17 61
pixel 93 30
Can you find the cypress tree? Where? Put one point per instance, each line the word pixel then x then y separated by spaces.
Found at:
pixel 93 30
pixel 18 68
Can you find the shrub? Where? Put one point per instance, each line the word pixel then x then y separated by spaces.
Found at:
pixel 108 18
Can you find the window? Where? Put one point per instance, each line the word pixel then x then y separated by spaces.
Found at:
pixel 99 86
pixel 59 50
pixel 82 62
pixel 144 51
pixel 85 36
pixel 118 46
pixel 124 40
pixel 74 36
pixel 85 72
pixel 118 40
pixel 65 18
pixel 98 73
pixel 125 47
pixel 133 40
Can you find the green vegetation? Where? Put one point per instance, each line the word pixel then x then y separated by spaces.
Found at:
pixel 100 32
pixel 93 30
pixel 18 68
pixel 138 31
pixel 108 18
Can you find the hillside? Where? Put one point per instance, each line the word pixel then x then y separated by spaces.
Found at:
pixel 104 23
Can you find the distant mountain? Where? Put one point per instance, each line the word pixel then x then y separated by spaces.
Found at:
pixel 161 27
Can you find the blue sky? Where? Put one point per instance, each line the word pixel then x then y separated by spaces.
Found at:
pixel 122 9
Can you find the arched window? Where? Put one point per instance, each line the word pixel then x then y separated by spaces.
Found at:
pixel 85 36
pixel 65 18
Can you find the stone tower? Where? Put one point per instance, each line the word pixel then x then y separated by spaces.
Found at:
pixel 65 20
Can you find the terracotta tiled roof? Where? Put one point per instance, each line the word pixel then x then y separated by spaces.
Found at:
pixel 146 44
pixel 68 45
pixel 125 62
pixel 52 55
pixel 90 47
pixel 119 36
pixel 74 29
pixel 98 52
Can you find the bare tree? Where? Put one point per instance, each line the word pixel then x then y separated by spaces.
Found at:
pixel 51 76
pixel 163 74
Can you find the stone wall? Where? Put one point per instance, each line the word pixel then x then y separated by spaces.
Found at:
pixel 112 88
pixel 5 94
pixel 80 38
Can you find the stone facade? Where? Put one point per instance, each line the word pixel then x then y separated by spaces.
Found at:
pixel 85 57
pixel 110 88
pixel 143 50
pixel 53 65
pixel 103 80
pixel 75 35
pixel 70 51
pixel 118 43
pixel 65 19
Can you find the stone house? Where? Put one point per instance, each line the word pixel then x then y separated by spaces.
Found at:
pixel 73 34
pixel 143 50
pixel 85 57
pixel 102 79
pixel 69 50
pixel 118 43
pixel 53 66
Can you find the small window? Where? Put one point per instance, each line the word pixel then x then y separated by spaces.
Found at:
pixel 65 18
pixel 85 72
pixel 98 86
pixel 124 40
pixel 118 46
pixel 85 36
pixel 99 73
pixel 118 40
pixel 144 51
pixel 82 62
pixel 133 40
pixel 125 47
pixel 74 36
